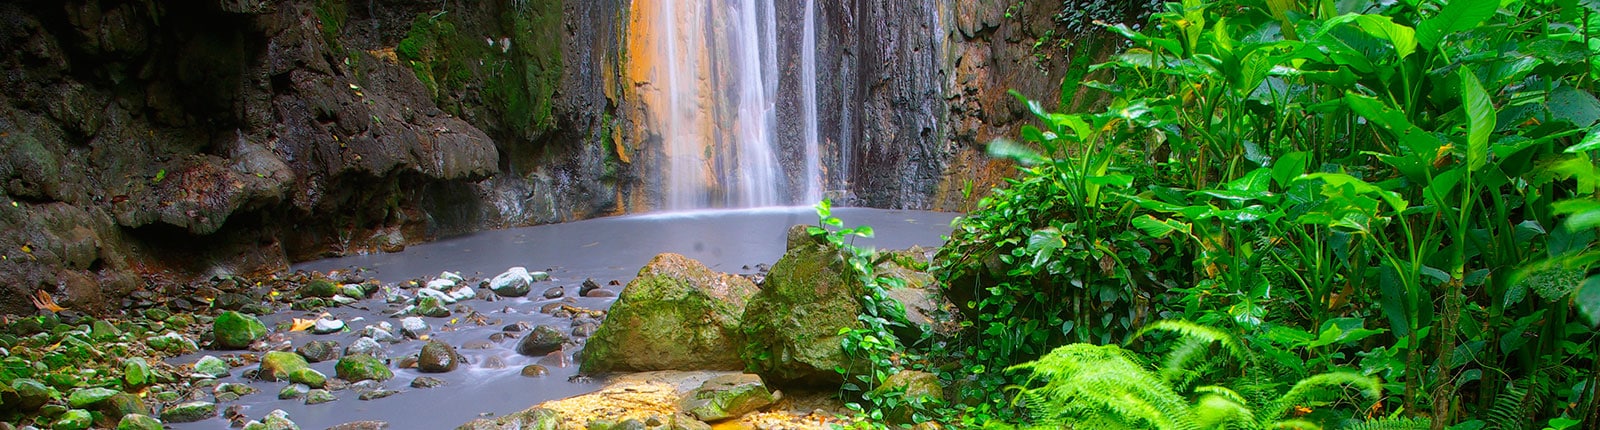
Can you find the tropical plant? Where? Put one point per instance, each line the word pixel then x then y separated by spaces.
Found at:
pixel 1107 386
pixel 1405 189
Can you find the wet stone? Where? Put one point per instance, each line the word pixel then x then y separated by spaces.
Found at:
pixel 189 412
pixel 555 293
pixel 377 394
pixel 211 366
pixel 365 346
pixel 320 396
pixel 414 327
pixel 588 285
pixel 327 326
pixel 138 422
pixel 534 371
pixel 317 351
pixel 437 357
pixel 600 293
pixel 294 391
pixel 543 340
pixel 426 382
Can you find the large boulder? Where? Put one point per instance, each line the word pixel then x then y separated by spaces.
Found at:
pixel 792 325
pixel 676 315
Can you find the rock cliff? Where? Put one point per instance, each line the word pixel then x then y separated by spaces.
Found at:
pixel 145 142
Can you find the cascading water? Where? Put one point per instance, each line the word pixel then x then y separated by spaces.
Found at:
pixel 713 99
pixel 712 61
pixel 808 105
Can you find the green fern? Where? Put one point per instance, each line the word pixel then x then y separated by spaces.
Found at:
pixel 1106 386
pixel 1392 424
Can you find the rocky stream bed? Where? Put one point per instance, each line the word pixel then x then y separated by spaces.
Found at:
pixel 483 332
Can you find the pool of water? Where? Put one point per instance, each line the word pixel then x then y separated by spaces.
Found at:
pixel 607 249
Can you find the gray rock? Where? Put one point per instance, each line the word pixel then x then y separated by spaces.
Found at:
pixel 318 351
pixel 426 382
pixel 413 327
pixel 554 293
pixel 463 293
pixel 366 346
pixel 515 282
pixel 327 326
pixel 377 394
pixel 588 285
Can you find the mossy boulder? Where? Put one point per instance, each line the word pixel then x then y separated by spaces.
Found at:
pixel 792 325
pixel 234 330
pixel 359 367
pixel 726 397
pixel 189 412
pixel 676 315
pixel 278 365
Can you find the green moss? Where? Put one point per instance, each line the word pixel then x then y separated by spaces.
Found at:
pixel 332 14
pixel 516 82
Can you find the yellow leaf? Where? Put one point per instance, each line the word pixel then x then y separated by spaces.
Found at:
pixel 301 324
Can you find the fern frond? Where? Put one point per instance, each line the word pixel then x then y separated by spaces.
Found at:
pixel 1295 424
pixel 1216 410
pixel 1205 334
pixel 1521 399
pixel 1089 383
pixel 1392 424
pixel 1312 388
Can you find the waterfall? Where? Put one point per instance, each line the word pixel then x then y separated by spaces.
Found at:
pixel 712 95
pixel 808 105
pixel 758 176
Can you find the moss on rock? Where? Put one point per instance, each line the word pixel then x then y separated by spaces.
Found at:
pixel 676 315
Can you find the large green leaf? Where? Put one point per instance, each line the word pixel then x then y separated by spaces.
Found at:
pixel 1457 15
pixel 1574 105
pixel 1480 118
pixel 1157 228
pixel 1402 37
pixel 1590 142
pixel 1588 300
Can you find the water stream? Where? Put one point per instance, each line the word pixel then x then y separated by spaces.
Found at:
pixel 608 249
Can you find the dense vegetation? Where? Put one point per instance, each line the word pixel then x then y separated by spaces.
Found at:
pixel 1319 214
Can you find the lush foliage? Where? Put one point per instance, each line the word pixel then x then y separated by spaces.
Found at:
pixel 1403 190
pixel 875 345
pixel 1106 386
